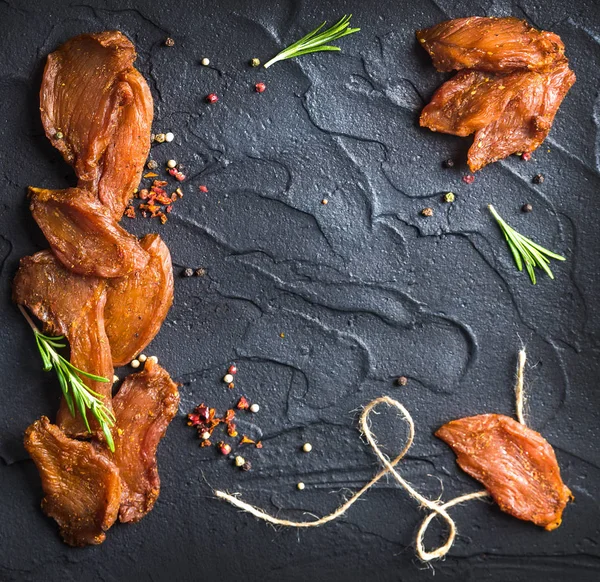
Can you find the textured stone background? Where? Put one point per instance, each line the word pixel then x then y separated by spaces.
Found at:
pixel 364 289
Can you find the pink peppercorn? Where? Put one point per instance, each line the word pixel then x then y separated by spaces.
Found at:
pixel 232 369
pixel 260 87
pixel 526 156
pixel 468 179
pixel 212 98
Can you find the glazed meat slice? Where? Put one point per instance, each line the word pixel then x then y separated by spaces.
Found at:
pixel 490 44
pixel 138 304
pixel 514 463
pixel 470 101
pixel 526 120
pixel 71 305
pixel 123 162
pixel 144 407
pixel 82 488
pixel 97 110
pixel 84 235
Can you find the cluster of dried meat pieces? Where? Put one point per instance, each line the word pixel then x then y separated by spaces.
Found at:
pixel 512 79
pixel 103 289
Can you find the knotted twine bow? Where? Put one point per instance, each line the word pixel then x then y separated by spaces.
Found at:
pixel 436 508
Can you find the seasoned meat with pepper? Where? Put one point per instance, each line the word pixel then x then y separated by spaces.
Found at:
pixel 490 44
pixel 514 463
pixel 144 406
pixel 71 305
pixel 526 119
pixel 82 488
pixel 138 304
pixel 97 111
pixel 84 235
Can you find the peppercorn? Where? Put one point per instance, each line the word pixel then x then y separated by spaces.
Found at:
pixel 135 363
pixel 240 461
pixel 160 137
pixel 300 486
pixel 538 179
pixel 228 378
pixel 169 42
pixel 449 163
pixel 468 179
pixel 260 87
pixel 324 201
pixel 169 137
pixel 142 357
pixel 171 164
pixel 153 359
pixel 232 369
pixel 449 197
pixel 200 272
pixel 224 448
pixel 212 98
pixel 526 207
pixel 427 212
pixel 255 63
pixel 59 135
pixel 205 62
pixel 402 381
pixel 188 272
pixel 254 408
pixel 307 447
pixel 246 466
pixel 152 165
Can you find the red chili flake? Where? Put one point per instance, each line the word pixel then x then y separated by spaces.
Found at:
pixel 150 175
pixel 174 196
pixel 232 369
pixel 526 156
pixel 231 430
pixel 179 176
pixel 260 87
pixel 163 217
pixel 169 208
pixel 203 188
pixel 229 415
pixel 243 404
pixel 159 183
pixel 212 98
pixel 205 443
pixel 172 171
pixel 224 448
pixel 179 192
pixel 247 440
pixel 144 214
pixel 468 179
pixel 130 212
pixel 259 445
pixel 231 385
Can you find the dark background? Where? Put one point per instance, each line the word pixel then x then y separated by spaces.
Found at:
pixel 364 289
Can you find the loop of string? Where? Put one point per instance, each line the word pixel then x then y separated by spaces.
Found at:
pixel 437 509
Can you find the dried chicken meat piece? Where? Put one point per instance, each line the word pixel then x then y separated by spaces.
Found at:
pixel 82 488
pixel 526 120
pixel 514 463
pixel 84 235
pixel 471 100
pixel 71 305
pixel 144 406
pixel 138 304
pixel 490 44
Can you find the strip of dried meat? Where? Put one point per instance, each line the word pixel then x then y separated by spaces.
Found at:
pixel 97 111
pixel 138 304
pixel 82 488
pixel 514 463
pixel 71 305
pixel 84 235
pixel 144 406
pixel 526 120
pixel 490 44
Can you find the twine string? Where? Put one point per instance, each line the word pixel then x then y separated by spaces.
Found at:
pixel 436 508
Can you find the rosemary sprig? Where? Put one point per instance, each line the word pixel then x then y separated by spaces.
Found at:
pixel 78 396
pixel 316 41
pixel 525 251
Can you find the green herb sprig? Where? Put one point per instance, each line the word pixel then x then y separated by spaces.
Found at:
pixel 78 396
pixel 525 251
pixel 316 41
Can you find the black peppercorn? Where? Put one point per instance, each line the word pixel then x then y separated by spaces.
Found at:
pixel 402 381
pixel 200 272
pixel 538 179
pixel 188 272
pixel 527 207
pixel 449 163
pixel 246 466
pixel 169 42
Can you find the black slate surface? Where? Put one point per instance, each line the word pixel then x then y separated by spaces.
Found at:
pixel 364 289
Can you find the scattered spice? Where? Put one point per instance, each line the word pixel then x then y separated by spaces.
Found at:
pixel 224 448
pixel 449 163
pixel 260 87
pixel 402 381
pixel 307 447
pixel 240 461
pixel 254 408
pixel 246 466
pixel 153 359
pixel 468 179
pixel 324 201
pixel 255 62
pixel 187 272
pixel 526 207
pixel 160 137
pixel 142 357
pixel 135 363
pixel 427 212
pixel 205 62
pixel 243 403
pixel 152 165
pixel 232 369
pixel 130 212
pixel 59 135
pixel 526 156
pixel 228 378
pixel 301 486
pixel 200 272
pixel 231 385
pixel 115 378
pixel 169 137
pixel 171 164
pixel 150 175
pixel 538 179
pixel 169 42
pixel 212 98
pixel 449 197
pixel 281 335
